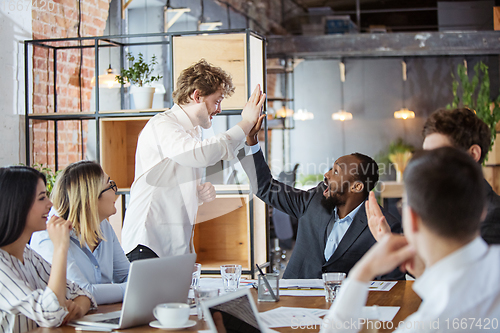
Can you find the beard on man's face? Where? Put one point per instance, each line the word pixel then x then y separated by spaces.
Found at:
pixel 336 198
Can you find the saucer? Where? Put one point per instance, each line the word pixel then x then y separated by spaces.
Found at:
pixel 156 324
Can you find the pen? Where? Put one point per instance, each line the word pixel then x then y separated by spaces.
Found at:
pixel 268 286
pixel 300 288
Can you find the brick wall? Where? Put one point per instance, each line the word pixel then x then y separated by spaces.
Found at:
pixel 75 69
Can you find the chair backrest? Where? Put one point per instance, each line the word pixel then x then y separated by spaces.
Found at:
pixel 282 222
pixel 282 225
pixel 289 177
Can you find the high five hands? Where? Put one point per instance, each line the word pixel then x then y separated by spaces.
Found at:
pixel 252 110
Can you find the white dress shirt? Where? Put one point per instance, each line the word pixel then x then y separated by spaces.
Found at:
pixel 338 229
pixel 25 300
pixel 168 167
pixel 102 272
pixel 459 292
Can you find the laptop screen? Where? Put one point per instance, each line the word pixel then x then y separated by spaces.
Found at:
pixel 237 316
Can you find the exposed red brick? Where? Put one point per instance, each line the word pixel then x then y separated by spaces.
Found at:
pixel 60 23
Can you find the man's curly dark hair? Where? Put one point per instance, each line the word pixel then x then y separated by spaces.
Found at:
pixel 462 127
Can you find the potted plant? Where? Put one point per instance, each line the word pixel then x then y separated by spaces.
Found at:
pixel 139 74
pixel 50 175
pixel 397 156
pixel 479 101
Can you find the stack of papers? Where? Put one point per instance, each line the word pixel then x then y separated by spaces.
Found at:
pixel 293 317
pixel 311 318
pixel 382 285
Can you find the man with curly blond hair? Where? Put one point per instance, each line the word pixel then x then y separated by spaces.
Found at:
pixel 170 158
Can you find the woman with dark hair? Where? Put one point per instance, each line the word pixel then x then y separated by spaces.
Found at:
pixel 85 195
pixel 32 293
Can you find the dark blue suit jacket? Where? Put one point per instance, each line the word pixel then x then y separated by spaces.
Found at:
pixel 307 260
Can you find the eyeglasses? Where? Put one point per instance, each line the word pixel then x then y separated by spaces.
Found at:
pixel 112 186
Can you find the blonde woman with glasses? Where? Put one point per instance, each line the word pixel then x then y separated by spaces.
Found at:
pixel 85 195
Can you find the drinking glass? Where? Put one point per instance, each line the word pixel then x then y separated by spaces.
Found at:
pixel 332 283
pixel 195 281
pixel 231 275
pixel 201 294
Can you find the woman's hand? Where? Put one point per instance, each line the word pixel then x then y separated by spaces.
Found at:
pixel 77 308
pixel 59 229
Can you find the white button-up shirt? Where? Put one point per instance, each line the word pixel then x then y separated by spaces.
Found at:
pixel 460 293
pixel 169 159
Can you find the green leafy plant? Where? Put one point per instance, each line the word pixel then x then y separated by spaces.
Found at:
pixel 475 94
pixel 50 175
pixel 139 71
pixel 309 180
pixel 397 146
pixel 395 157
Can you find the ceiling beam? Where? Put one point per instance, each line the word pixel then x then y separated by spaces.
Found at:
pixel 386 44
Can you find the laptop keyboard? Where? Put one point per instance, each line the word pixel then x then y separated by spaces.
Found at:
pixel 111 321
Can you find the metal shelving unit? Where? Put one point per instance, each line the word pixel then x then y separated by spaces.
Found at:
pixel 123 42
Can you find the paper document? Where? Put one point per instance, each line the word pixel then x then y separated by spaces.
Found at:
pixel 382 285
pixel 382 313
pixel 290 317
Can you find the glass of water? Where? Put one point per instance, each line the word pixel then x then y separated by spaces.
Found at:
pixel 203 294
pixel 195 281
pixel 231 275
pixel 332 283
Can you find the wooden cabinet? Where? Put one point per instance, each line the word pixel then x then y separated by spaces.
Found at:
pixel 231 229
pixel 118 142
pixel 239 54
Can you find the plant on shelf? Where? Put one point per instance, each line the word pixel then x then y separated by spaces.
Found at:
pixel 50 175
pixel 475 95
pixel 398 154
pixel 139 73
pixel 309 180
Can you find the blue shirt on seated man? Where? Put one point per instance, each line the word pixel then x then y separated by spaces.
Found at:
pixel 333 232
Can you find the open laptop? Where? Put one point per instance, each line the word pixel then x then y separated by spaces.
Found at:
pixel 150 282
pixel 238 310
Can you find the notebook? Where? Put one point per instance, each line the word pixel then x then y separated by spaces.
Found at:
pixel 150 282
pixel 238 311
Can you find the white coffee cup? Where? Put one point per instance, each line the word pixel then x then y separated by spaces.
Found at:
pixel 172 315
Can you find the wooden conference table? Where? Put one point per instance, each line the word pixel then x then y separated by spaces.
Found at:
pixel 401 295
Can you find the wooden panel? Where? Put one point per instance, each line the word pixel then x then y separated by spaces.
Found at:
pixel 492 175
pixel 494 154
pixel 390 189
pixel 222 205
pixel 496 18
pixel 118 144
pixel 227 51
pixel 225 239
